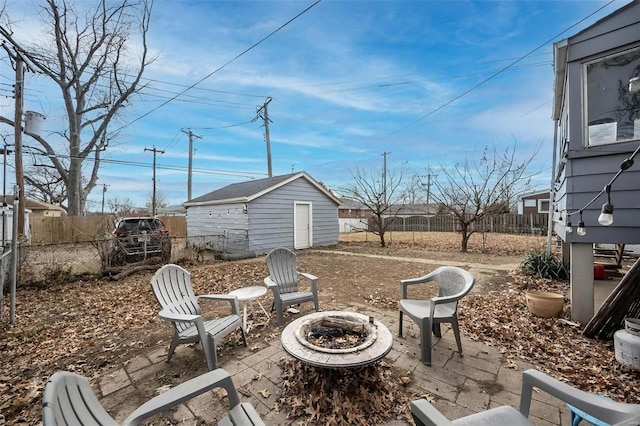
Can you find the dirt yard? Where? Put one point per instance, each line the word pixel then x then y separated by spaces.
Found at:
pixel 95 325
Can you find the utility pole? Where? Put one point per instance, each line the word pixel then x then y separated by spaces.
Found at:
pixel 384 176
pixel 265 117
pixel 153 197
pixel 104 189
pixel 191 136
pixel 17 122
pixel 428 199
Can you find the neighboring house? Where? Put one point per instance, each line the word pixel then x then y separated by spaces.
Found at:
pixel 39 208
pixel 293 211
pixel 412 210
pixel 353 216
pixel 534 203
pixel 597 117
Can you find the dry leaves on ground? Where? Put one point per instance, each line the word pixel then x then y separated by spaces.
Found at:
pixel 93 326
pixel 553 345
pixel 364 396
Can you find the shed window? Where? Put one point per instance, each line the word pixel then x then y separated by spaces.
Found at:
pixel 613 98
pixel 529 203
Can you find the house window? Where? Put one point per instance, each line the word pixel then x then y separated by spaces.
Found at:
pixel 613 98
pixel 543 206
pixel 529 203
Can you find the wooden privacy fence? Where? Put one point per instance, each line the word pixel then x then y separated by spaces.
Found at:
pixel 509 223
pixel 53 230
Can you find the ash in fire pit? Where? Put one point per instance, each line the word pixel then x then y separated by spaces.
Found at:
pixel 336 334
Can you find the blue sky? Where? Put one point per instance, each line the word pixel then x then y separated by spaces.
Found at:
pixel 349 80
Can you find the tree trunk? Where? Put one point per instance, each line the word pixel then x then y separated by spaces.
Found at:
pixel 74 190
pixel 382 242
pixel 464 229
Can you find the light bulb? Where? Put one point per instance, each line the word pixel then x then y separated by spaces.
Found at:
pixel 568 228
pixel 581 229
pixel 606 217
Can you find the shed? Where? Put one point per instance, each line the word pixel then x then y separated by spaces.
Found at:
pixel 256 216
pixel 596 110
pixel 534 202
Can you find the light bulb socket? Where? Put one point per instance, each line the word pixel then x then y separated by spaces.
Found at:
pixel 606 216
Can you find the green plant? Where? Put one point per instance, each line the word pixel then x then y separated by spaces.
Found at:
pixel 540 264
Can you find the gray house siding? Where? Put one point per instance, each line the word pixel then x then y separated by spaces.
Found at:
pixel 597 110
pixel 583 170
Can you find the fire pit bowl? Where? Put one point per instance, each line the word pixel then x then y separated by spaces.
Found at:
pixel 336 333
pixel 371 349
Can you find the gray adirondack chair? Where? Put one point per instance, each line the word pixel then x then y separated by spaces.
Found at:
pixel 453 284
pixel 69 400
pixel 283 282
pixel 606 410
pixel 171 285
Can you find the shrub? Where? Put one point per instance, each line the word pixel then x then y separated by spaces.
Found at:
pixel 540 264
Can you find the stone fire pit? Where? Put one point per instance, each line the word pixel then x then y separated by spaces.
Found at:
pixel 337 339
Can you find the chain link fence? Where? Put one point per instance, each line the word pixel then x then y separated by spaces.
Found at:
pixel 65 261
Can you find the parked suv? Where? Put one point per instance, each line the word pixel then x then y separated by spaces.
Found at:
pixel 138 238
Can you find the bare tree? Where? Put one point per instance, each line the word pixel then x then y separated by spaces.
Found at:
pixel 382 195
pixel 473 190
pixel 161 201
pixel 85 56
pixel 121 206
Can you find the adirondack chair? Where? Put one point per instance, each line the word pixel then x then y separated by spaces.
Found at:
pixel 171 285
pixel 606 410
pixel 453 284
pixel 69 400
pixel 283 281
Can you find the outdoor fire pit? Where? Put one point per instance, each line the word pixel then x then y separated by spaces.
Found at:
pixel 337 334
pixel 337 339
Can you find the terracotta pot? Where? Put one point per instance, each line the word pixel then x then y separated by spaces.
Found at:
pixel 544 303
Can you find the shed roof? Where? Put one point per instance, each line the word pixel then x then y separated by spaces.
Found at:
pixel 534 194
pixel 243 192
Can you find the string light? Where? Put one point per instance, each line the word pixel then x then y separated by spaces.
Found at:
pixel 581 229
pixel 606 216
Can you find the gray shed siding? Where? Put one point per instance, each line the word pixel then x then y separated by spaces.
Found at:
pixel 585 170
pixel 271 217
pixel 206 223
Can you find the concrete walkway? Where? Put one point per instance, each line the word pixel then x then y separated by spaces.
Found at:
pixel 470 265
pixel 483 378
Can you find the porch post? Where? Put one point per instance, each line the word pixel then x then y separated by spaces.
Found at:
pixel 581 282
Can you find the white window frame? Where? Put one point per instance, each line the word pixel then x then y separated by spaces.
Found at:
pixel 606 133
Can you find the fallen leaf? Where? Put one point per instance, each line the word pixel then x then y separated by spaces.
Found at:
pixel 265 393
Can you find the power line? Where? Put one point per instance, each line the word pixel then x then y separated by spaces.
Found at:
pixel 208 171
pixel 223 65
pixel 491 77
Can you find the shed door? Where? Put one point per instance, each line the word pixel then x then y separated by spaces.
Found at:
pixel 302 225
